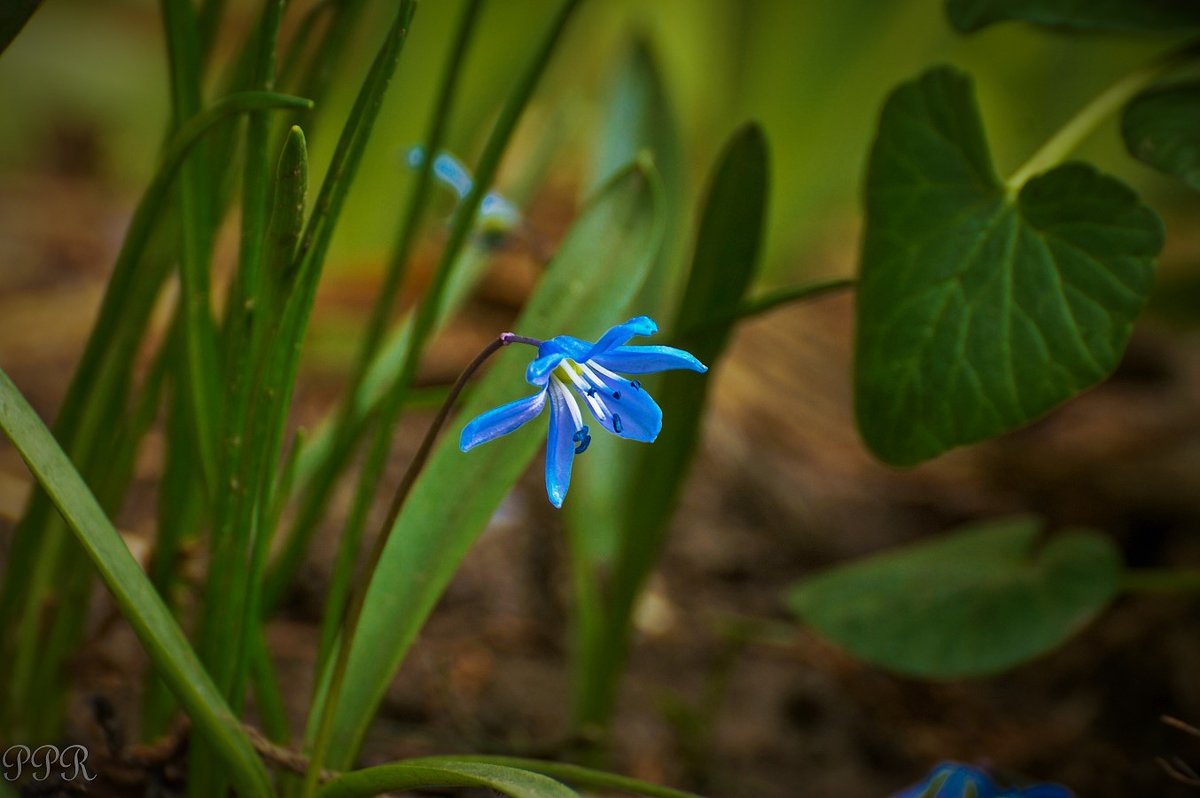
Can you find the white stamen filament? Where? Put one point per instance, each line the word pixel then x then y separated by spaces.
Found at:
pixel 593 364
pixel 576 417
pixel 573 371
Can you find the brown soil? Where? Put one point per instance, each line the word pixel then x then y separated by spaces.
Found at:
pixel 782 488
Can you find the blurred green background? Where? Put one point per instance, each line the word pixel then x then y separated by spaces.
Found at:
pixel 813 72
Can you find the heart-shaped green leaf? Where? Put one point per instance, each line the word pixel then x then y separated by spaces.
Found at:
pixel 975 602
pixel 981 308
pixel 1162 128
pixel 971 15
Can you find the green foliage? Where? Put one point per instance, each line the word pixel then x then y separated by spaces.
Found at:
pixel 982 306
pixel 1161 127
pixel 595 273
pixel 975 602
pixel 139 602
pixel 1120 15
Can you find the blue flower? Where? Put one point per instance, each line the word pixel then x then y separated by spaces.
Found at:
pixel 569 370
pixel 956 780
pixel 497 216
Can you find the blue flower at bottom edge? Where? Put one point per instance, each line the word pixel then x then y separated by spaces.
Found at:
pixel 956 780
pixel 569 370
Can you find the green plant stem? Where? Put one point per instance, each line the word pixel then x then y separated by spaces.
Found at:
pixel 200 345
pixel 770 300
pixel 346 428
pixel 359 594
pixel 1161 580
pixel 1080 126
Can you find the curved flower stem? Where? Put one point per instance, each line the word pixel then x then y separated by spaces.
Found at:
pixel 358 597
pixel 1161 580
pixel 1080 126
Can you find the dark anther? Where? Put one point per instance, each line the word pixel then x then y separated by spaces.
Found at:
pixel 583 440
pixel 635 385
pixel 616 423
pixel 616 394
pixel 591 391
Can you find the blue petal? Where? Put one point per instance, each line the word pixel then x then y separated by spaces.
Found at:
pixel 639 325
pixel 951 780
pixel 551 353
pixel 648 359
pixel 574 348
pixel 538 372
pixel 629 412
pixel 501 420
pixel 560 446
pixel 453 174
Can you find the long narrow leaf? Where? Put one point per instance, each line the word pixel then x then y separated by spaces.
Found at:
pixel 137 599
pixel 587 778
pixel 598 269
pixel 723 268
pixel 443 772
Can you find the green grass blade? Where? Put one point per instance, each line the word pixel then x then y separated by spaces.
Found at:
pixel 443 772
pixel 724 265
pixel 249 315
pixel 195 203
pixel 587 778
pixel 347 426
pixel 97 390
pixel 269 389
pixel 598 269
pixel 328 453
pixel 638 118
pixel 432 305
pixel 13 17
pixel 327 56
pixel 307 261
pixel 137 599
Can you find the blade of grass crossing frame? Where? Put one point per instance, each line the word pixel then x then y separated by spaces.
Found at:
pixel 448 275
pixel 179 515
pixel 600 266
pixel 428 310
pixel 444 772
pixel 723 268
pixel 95 394
pixel 224 632
pixel 306 260
pixel 231 624
pixel 348 546
pixel 638 118
pixel 328 453
pixel 248 315
pixel 13 17
pixel 200 342
pixel 137 599
pixel 587 778
pixel 305 269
